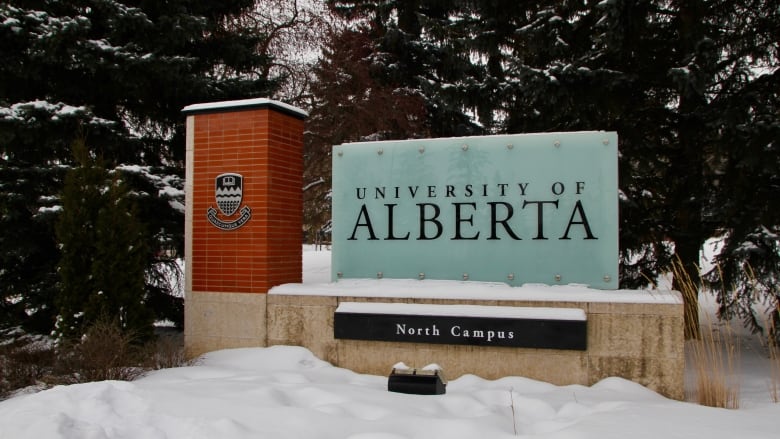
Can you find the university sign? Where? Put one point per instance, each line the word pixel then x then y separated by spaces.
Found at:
pixel 539 208
pixel 473 212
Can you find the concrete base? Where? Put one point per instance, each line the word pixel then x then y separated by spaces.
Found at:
pixel 640 341
pixel 214 321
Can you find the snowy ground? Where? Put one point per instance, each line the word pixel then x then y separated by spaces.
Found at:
pixel 285 392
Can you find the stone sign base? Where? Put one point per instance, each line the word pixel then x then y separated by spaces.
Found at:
pixel 214 321
pixel 639 337
pixel 636 335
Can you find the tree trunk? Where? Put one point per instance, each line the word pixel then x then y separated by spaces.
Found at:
pixel 689 231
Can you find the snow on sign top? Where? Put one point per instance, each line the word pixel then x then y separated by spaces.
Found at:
pixel 212 107
pixel 497 312
pixel 462 290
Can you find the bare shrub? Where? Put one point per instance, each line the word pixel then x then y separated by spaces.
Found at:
pixel 165 352
pixel 23 363
pixel 105 352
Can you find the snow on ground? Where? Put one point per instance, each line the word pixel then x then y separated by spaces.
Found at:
pixel 286 392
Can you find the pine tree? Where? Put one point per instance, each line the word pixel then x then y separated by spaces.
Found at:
pixel 421 47
pixel 745 163
pixel 104 253
pixel 82 199
pixel 117 75
pixel 690 86
pixel 121 252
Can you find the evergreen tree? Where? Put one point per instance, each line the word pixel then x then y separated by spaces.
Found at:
pixel 690 86
pixel 104 253
pixel 420 46
pixel 121 252
pixel 82 199
pixel 117 74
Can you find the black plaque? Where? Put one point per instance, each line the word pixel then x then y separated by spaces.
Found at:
pixel 478 331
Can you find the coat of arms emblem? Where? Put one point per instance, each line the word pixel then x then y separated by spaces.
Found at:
pixel 228 193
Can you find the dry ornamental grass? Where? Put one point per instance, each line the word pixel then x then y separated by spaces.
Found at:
pixel 714 356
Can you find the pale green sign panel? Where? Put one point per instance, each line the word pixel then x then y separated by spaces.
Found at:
pixel 527 208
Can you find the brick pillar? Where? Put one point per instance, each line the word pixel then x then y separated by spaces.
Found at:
pixel 243 222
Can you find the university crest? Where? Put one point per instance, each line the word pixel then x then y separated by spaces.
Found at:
pixel 228 193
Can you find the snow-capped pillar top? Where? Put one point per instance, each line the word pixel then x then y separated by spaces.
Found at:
pixel 243 222
pixel 245 104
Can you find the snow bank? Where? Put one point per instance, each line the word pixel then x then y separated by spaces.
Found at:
pixel 285 392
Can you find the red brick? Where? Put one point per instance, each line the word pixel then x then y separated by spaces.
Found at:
pixel 265 146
